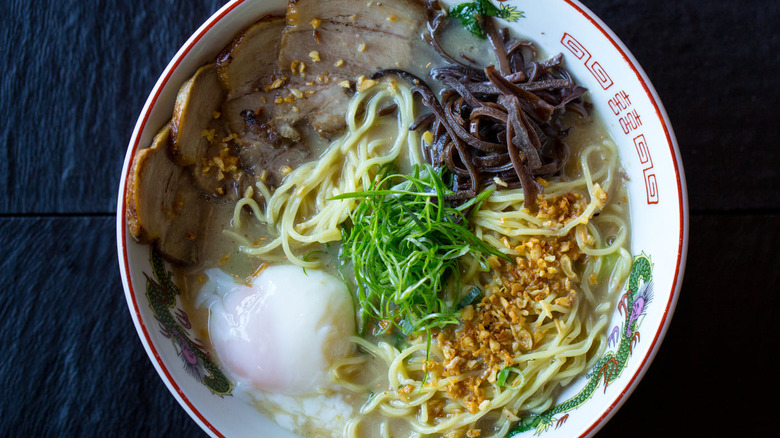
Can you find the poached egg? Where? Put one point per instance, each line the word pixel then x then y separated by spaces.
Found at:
pixel 281 332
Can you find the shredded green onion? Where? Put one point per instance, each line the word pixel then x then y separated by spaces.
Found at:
pixel 474 295
pixel 503 376
pixel 404 241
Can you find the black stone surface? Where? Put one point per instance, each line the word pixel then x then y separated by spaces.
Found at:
pixel 75 75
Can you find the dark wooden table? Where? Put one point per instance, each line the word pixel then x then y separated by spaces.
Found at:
pixel 75 74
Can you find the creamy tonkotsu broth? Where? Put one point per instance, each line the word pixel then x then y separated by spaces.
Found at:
pixel 356 266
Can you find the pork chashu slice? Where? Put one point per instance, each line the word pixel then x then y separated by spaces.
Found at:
pixel 163 206
pixel 247 71
pixel 199 135
pixel 196 104
pixel 327 43
pixel 248 63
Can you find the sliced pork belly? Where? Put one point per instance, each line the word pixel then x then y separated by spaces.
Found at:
pixel 248 62
pixel 267 162
pixel 163 205
pixel 394 17
pixel 196 104
pixel 247 71
pixel 323 106
pixel 246 68
pixel 259 102
pixel 321 49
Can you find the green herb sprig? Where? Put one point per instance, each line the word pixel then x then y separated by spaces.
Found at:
pixel 471 14
pixel 404 242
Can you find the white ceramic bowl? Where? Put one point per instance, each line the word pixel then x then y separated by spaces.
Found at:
pixel 634 116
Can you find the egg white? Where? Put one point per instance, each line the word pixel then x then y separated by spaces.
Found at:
pixel 282 332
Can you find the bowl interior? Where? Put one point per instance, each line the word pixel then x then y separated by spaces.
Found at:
pixel 622 97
